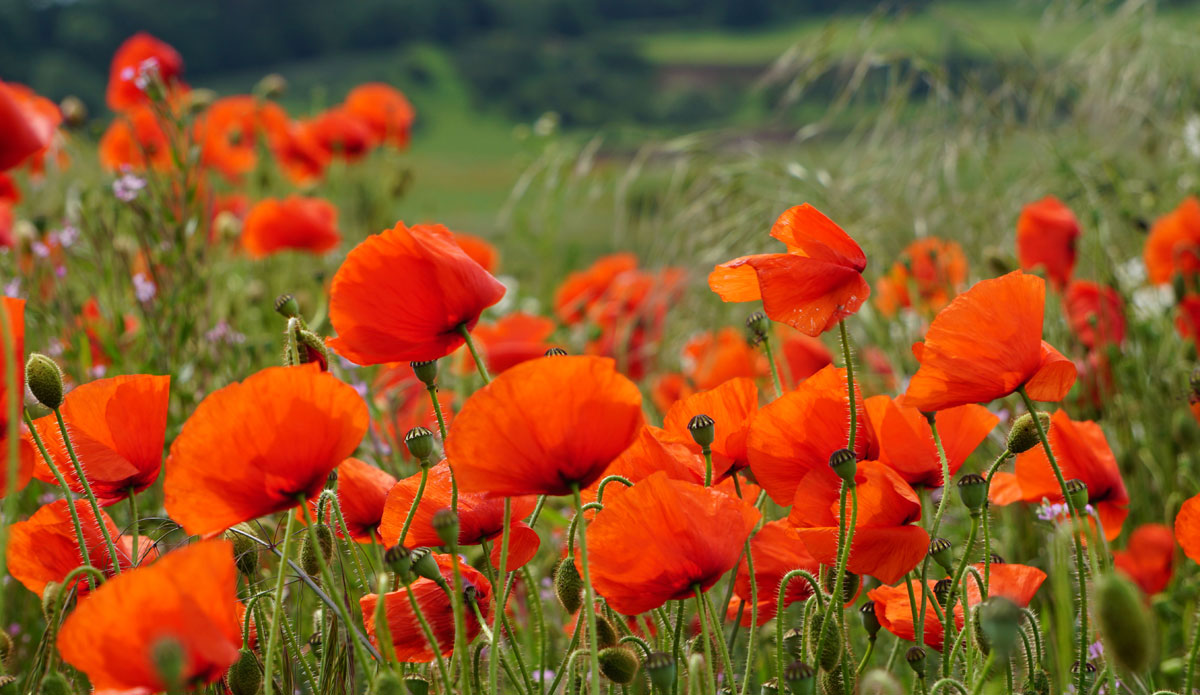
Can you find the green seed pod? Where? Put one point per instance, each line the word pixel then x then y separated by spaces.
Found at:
pixel 387 683
pixel 606 635
pixel 50 601
pixel 845 464
pixel 769 687
pixel 568 586
pixel 169 659
pixel 660 666
pixel 312 349
pixel 416 684
pixel 424 565
pixel 973 489
pixel 870 621
pixel 831 645
pixel 245 550
pixel 1077 490
pixel 399 559
pixel 703 430
pixel 287 306
pixel 915 656
pixel 832 682
pixel 1024 435
pixel 940 550
pixel 426 372
pixel 800 678
pixel 556 352
pixel 793 640
pixel 319 537
pixel 758 325
pixel 445 524
pixel 420 443
pixel 57 684
pixel 941 590
pixel 244 677
pixel 618 664
pixel 1125 625
pixel 6 649
pixel 1000 620
pixel 45 380
pixel 1037 683
pixel 981 639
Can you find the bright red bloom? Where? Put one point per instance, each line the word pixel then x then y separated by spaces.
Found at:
pixel 1082 452
pixel 1018 583
pixel 6 226
pixel 669 388
pixel 656 541
pixel 777 550
pixel 732 406
pixel 402 296
pixel 10 193
pixel 340 133
pixel 1187 321
pixel 630 317
pixel 480 518
pixel 886 543
pixel 189 596
pixel 781 452
pixel 228 134
pixel 576 295
pixel 515 338
pixel 1149 558
pixel 118 427
pixel 803 356
pixel 1173 247
pixel 1187 528
pixel 295 148
pixel 544 427
pixel 814 285
pixel 261 446
pixel 1046 235
pixel 929 273
pixel 135 140
pixel 906 440
pixel 137 54
pixel 27 124
pixel 404 626
pixel 1096 313
pixel 710 360
pixel 13 311
pixel 479 250
pixel 405 402
pixel 985 345
pixel 385 111
pixel 362 490
pixel 45 549
pixel 295 222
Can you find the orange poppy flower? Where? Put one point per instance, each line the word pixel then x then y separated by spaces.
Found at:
pixel 1046 235
pixel 515 338
pixel 781 454
pixel 27 121
pixel 732 406
pixel 906 440
pixel 295 222
pixel 1173 246
pixel 656 541
pixel 479 250
pixel 340 133
pixel 137 53
pixel 985 345
pixel 886 543
pixel 6 227
pixel 361 492
pixel 227 133
pixel 710 360
pixel 261 446
pixel 544 427
pixel 10 193
pixel 402 295
pixel 189 596
pixel 296 150
pixel 929 273
pixel 1096 313
pixel 45 549
pixel 1149 558
pixel 803 356
pixel 777 550
pixel 385 111
pixel 1082 452
pixel 669 388
pixel 480 518
pixel 1018 583
pixel 118 426
pixel 581 289
pixel 407 634
pixel 13 310
pixel 1187 528
pixel 1187 321
pixel 135 140
pixel 814 285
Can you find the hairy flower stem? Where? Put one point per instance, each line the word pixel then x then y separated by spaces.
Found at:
pixel 722 650
pixel 766 340
pixel 383 631
pixel 948 618
pixel 277 608
pixel 751 655
pixel 783 587
pixel 589 595
pixel 1190 677
pixel 133 526
pixel 708 471
pixel 986 671
pixel 708 660
pixel 479 364
pixel 62 482
pixel 428 631
pixel 837 603
pixel 437 410
pixel 937 521
pixel 851 394
pixel 412 511
pixel 87 491
pixel 494 658
pixel 675 651
pixel 327 577
pixel 460 623
pixel 987 514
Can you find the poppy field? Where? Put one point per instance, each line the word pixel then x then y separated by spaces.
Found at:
pixel 910 411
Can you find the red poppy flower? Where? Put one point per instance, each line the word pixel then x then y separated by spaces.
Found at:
pixel 138 53
pixel 6 227
pixel 732 406
pixel 13 310
pixel 1149 558
pixel 480 518
pixel 544 427
pixel 781 454
pixel 803 356
pixel 906 440
pixel 1082 452
pixel 1096 313
pixel 1173 246
pixel 384 110
pixel 10 193
pixel 227 133
pixel 188 596
pixel 306 224
pixel 630 317
pixel 407 634
pixel 362 490
pixel 515 338
pixel 296 150
pixel 402 295
pixel 581 289
pixel 656 541
pixel 45 549
pixel 777 550
pixel 1018 583
pixel 814 285
pixel 1187 321
pixel 710 360
pixel 406 404
pixel 261 446
pixel 886 543
pixel 1187 528
pixel 27 122
pixel 340 133
pixel 118 426
pixel 479 250
pixel 1046 234
pixel 985 345
pixel 135 140
pixel 929 273
pixel 669 388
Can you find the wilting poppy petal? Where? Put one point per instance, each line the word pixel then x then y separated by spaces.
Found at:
pixel 1046 234
pixel 732 406
pixel 1173 246
pixel 303 224
pixel 777 550
pixel 807 294
pixel 1149 558
pixel 138 53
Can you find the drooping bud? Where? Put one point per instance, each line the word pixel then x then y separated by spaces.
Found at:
pixel 844 464
pixel 287 306
pixel 319 538
pixel 940 551
pixel 1000 621
pixel 399 559
pixel 1077 490
pixel 793 640
pixel 831 645
pixel 245 550
pixel 387 683
pixel 1024 435
pixel 660 666
pixel 426 371
pixel 941 590
pixel 169 659
pixel 832 682
pixel 800 677
pixel 618 664
pixel 973 489
pixel 312 349
pixel 445 524
pixel 870 621
pixel 556 352
pixel 416 684
pixel 758 324
pixel 850 582
pixel 420 443
pixel 1037 683
pixel 45 380
pixel 606 635
pixel 50 601
pixel 244 677
pixel 1125 626
pixel 915 656
pixel 703 430
pixel 568 586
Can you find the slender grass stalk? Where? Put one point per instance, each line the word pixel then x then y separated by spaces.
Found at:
pixel 751 655
pixel 277 608
pixel 708 660
pixel 87 491
pixel 722 650
pixel 937 521
pixel 589 594
pixel 327 576
pixel 494 658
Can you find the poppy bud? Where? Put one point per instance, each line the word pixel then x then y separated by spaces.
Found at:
pixel 799 677
pixel 55 684
pixel 703 430
pixel 387 683
pixel 169 660
pixel 606 635
pixel 271 86
pixel 870 621
pixel 1077 490
pixel 312 349
pixel 287 306
pixel 245 550
pixel 1000 620
pixel 556 352
pixel 320 537
pixel 793 640
pixel 45 380
pixel 445 524
pixel 832 683
pixel 831 645
pixel 759 324
pixel 879 682
pixel 426 371
pixel 661 668
pixel 973 489
pixel 915 656
pixel 1037 683
pixel 420 443
pixel 50 596
pixel 618 664
pixel 941 590
pixel 244 677
pixel 416 684
pixel 6 647
pixel 850 583
pixel 845 464
pixel 568 586
pixel 939 550
pixel 399 559
pixel 424 565
pixel 1024 435
pixel 1124 623
pixel 74 111
pixel 769 687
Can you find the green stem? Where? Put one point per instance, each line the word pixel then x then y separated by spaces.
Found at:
pixel 722 650
pixel 277 609
pixel 336 506
pixel 937 520
pixel 133 525
pixel 561 671
pixel 751 654
pixel 675 651
pixel 428 631
pixel 289 635
pixel 862 665
pixel 437 410
pixel 948 682
pixel 774 367
pixel 412 511
pixel 850 393
pixel 1193 654
pixel 948 618
pixel 779 608
pixel 983 674
pixel 838 602
pixel 87 491
pixel 708 471
pixel 494 657
pixel 383 631
pixel 62 482
pixel 479 364
pixel 708 661
pixel 588 592
pixel 327 577
pixel 987 514
pixel 460 622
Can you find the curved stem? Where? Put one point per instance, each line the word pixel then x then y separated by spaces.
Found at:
pixel 428 631
pixel 937 520
pixel 277 608
pixel 708 660
pixel 862 665
pixel 850 393
pixel 87 491
pixel 722 650
pixel 779 608
pixel 494 657
pixel 588 592
pixel 62 482
pixel 987 514
pixel 948 682
pixel 327 576
pixel 751 655
pixel 479 364
pixel 610 479
pixel 837 601
pixel 983 674
pixel 948 619
pixel 412 511
pixel 774 367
